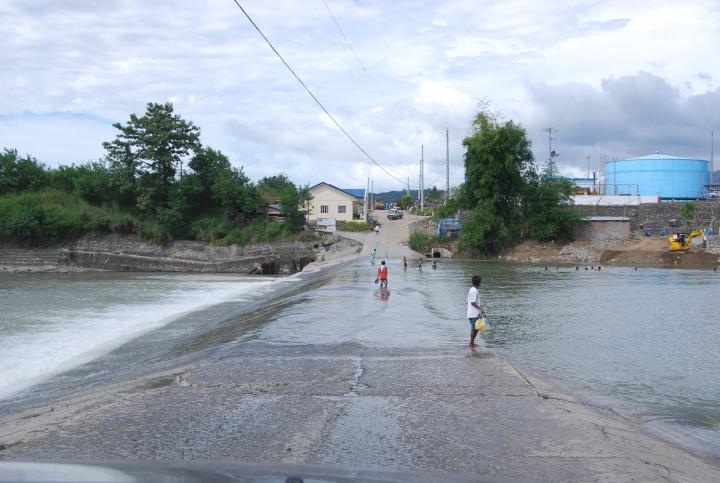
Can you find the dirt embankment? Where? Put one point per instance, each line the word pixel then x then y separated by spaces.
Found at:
pixel 635 252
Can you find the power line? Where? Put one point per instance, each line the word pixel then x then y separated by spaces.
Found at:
pixel 332 118
pixel 357 57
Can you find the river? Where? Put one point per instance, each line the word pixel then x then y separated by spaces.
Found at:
pixel 641 342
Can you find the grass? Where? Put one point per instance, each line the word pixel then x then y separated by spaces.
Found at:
pixel 256 231
pixel 47 217
pixel 418 241
pixel 353 226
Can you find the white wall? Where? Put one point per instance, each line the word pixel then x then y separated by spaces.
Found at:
pixel 332 198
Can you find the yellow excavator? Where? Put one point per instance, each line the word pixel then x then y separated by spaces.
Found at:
pixel 681 242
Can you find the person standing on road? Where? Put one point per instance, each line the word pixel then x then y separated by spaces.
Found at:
pixel 382 274
pixel 377 229
pixel 474 309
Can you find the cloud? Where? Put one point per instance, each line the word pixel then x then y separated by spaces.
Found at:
pixel 628 116
pixel 432 61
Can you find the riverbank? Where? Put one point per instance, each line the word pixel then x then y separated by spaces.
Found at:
pixel 634 252
pixel 129 253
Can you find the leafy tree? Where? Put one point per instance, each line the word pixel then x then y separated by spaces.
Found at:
pixel 497 161
pixel 549 211
pixel 434 194
pixel 19 174
pixel 688 212
pixel 92 181
pixel 215 184
pixel 152 147
pixel 406 202
pixel 293 200
pixel 509 199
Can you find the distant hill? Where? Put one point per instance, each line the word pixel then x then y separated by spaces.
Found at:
pixel 394 196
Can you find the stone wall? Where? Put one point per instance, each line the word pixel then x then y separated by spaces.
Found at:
pixel 658 216
pixel 599 230
pixel 131 254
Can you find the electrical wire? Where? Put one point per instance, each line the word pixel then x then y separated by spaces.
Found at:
pixel 357 57
pixel 332 118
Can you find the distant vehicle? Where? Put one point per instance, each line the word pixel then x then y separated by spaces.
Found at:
pixel 681 242
pixel 394 214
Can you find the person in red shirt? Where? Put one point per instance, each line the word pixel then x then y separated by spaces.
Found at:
pixel 382 273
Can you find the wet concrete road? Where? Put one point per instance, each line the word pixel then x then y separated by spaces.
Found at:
pixel 431 409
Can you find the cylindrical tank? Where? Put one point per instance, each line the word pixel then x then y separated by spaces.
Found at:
pixel 669 177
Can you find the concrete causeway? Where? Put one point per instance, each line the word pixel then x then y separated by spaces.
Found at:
pixel 439 410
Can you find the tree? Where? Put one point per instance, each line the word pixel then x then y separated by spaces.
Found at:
pixel 151 147
pixel 293 200
pixel 19 174
pixel 497 162
pixel 406 202
pixel 434 194
pixel 688 212
pixel 509 199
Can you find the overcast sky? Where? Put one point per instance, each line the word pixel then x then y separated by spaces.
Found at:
pixel 615 78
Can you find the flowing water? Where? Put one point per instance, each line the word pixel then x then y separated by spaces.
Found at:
pixel 642 342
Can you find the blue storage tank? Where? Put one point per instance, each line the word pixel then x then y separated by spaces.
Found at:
pixel 669 177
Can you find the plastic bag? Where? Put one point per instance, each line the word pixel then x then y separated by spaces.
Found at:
pixel 377 280
pixel 480 324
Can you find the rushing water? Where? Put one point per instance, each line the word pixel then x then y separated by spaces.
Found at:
pixel 643 342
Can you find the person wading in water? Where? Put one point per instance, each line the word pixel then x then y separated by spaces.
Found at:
pixel 474 309
pixel 382 273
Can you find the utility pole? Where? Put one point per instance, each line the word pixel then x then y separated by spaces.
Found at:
pixel 372 196
pixel 447 165
pixel 367 199
pixel 549 130
pixel 551 154
pixel 422 177
pixel 407 190
pixel 588 166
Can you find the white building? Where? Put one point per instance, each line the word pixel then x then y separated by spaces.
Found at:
pixel 329 201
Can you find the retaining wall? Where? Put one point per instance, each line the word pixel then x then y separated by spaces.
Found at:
pixel 131 254
pixel 657 216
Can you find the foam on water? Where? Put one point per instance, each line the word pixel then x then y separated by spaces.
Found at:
pixel 38 344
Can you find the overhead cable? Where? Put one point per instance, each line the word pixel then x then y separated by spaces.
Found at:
pixel 332 118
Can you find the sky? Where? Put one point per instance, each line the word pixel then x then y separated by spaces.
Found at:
pixel 614 79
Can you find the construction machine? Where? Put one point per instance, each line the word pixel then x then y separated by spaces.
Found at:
pixel 681 242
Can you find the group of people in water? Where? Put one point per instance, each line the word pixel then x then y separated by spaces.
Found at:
pixel 383 268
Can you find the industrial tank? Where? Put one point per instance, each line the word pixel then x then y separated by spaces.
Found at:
pixel 669 177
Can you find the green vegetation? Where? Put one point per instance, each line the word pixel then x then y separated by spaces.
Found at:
pixel 508 198
pixel 353 226
pixel 434 194
pixel 687 211
pixel 141 187
pixel 405 202
pixel 418 241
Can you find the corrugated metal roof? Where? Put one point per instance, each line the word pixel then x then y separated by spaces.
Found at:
pixel 357 193
pixel 607 218
pixel 354 192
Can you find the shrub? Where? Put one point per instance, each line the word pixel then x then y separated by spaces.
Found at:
pixel 49 216
pixel 258 230
pixel 418 241
pixel 353 226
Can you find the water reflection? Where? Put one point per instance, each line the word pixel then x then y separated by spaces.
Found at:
pixel 639 340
